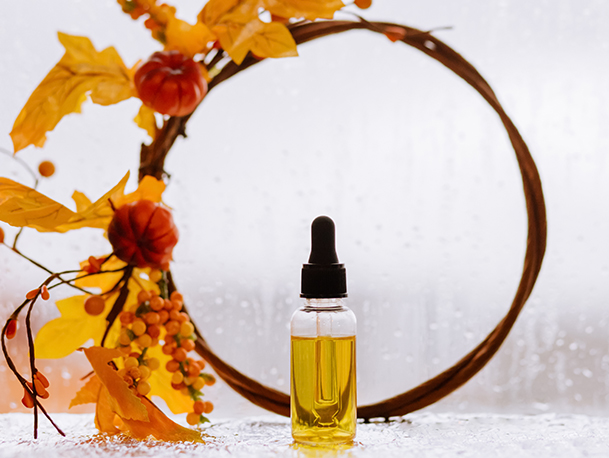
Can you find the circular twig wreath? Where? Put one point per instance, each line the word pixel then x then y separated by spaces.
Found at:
pixel 452 378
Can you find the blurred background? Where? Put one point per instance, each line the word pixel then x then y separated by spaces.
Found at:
pixel 412 165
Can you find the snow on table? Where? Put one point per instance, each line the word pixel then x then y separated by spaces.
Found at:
pixel 417 435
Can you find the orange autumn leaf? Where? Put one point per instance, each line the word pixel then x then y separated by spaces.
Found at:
pixel 122 400
pixel 95 392
pixel 104 415
pixel 149 189
pixel 159 426
pixel 88 394
pixel 82 72
pixel 109 392
pixel 186 38
pixel 146 120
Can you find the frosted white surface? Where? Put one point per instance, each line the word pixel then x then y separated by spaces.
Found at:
pixel 418 435
pixel 412 165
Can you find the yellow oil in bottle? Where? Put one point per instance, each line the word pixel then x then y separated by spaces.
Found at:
pixel 324 407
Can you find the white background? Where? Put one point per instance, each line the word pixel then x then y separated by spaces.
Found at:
pixel 408 160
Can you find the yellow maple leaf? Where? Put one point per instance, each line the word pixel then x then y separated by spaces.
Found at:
pixel 22 206
pixel 240 30
pixel 76 326
pixel 160 383
pixel 122 400
pixel 186 38
pixel 307 9
pixel 60 337
pixel 81 72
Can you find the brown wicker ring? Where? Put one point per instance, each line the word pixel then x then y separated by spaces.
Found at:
pixel 445 383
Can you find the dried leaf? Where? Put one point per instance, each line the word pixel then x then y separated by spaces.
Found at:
pixel 149 189
pixel 98 214
pixel 272 40
pixel 262 39
pixel 82 202
pixel 104 415
pixel 81 72
pixel 88 393
pixel 186 38
pixel 159 426
pixel 307 9
pixel 22 206
pixel 146 120
pixel 215 9
pixel 122 400
pixel 239 29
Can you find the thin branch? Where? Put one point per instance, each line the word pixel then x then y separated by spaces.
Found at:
pixel 119 303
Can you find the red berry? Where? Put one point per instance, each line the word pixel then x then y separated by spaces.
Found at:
pixel 11 328
pixel 46 168
pixel 95 305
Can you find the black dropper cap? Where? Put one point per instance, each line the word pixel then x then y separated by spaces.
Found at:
pixel 323 276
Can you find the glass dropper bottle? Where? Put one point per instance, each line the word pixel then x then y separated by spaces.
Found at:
pixel 323 387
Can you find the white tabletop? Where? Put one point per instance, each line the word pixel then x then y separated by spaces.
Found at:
pixel 417 435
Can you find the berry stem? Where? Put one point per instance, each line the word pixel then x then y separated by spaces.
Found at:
pixel 119 303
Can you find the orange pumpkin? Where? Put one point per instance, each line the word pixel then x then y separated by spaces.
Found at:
pixel 143 234
pixel 170 83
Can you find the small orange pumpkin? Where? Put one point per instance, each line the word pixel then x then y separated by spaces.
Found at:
pixel 143 234
pixel 170 83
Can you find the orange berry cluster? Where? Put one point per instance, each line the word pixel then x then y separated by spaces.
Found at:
pixel 143 327
pixel 137 370
pixel 41 383
pixel 158 15
pixel 133 8
pixel 187 376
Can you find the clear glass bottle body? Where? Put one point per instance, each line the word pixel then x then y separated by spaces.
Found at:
pixel 323 373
